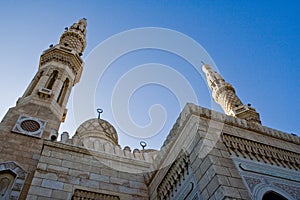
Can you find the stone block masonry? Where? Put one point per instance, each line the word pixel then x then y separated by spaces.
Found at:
pixel 24 151
pixel 64 168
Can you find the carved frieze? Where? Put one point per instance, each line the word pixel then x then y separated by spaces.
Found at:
pixel 86 195
pixel 259 152
pixel 64 58
pixel 178 181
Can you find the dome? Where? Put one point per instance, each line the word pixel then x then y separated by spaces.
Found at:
pixel 97 129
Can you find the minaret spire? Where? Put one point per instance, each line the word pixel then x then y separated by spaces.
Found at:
pixel 74 37
pixel 224 94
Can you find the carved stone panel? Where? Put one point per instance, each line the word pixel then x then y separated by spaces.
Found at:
pixel 252 150
pixel 261 179
pixel 292 190
pixel 179 182
pixel 252 182
pixel 29 126
pixel 87 195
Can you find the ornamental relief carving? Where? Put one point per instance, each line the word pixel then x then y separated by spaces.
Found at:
pixel 61 58
pixel 174 176
pixel 291 190
pixel 258 186
pixel 179 181
pixel 252 182
pixel 86 195
pixel 259 152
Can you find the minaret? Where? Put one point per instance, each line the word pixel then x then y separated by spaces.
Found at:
pixel 42 108
pixel 224 94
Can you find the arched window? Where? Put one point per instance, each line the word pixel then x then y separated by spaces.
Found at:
pixel 52 79
pixel 7 179
pixel 273 196
pixel 12 177
pixel 35 81
pixel 63 91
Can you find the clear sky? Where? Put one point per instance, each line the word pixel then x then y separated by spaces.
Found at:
pixel 255 46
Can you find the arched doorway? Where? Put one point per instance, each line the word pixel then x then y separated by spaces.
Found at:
pixel 273 196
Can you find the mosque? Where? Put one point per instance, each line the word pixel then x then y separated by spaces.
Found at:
pixel 206 156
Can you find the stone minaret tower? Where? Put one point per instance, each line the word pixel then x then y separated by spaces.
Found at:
pixel 40 111
pixel 224 94
pixel 42 108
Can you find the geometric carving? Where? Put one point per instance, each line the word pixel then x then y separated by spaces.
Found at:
pixel 86 195
pixel 59 55
pixel 12 179
pixel 268 182
pixel 178 182
pixel 74 37
pixel 73 40
pixel 252 182
pixel 261 152
pixel 292 190
pixel 29 126
pixel 267 170
pixel 173 176
pixel 97 128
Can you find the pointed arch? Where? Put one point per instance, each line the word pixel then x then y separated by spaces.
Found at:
pixel 271 195
pixel 63 92
pixel 52 80
pixel 7 179
pixel 12 178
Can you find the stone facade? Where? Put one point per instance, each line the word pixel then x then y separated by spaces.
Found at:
pixel 64 169
pixel 207 155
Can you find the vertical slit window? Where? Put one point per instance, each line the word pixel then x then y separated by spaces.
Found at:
pixel 52 79
pixel 63 91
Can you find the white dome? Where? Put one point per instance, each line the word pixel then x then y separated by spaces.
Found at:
pixel 96 129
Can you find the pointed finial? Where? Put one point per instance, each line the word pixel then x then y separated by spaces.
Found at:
pixel 99 110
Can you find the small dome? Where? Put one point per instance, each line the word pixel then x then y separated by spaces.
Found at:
pixel 97 128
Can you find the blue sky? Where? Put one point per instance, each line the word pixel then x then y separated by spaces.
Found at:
pixel 254 44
